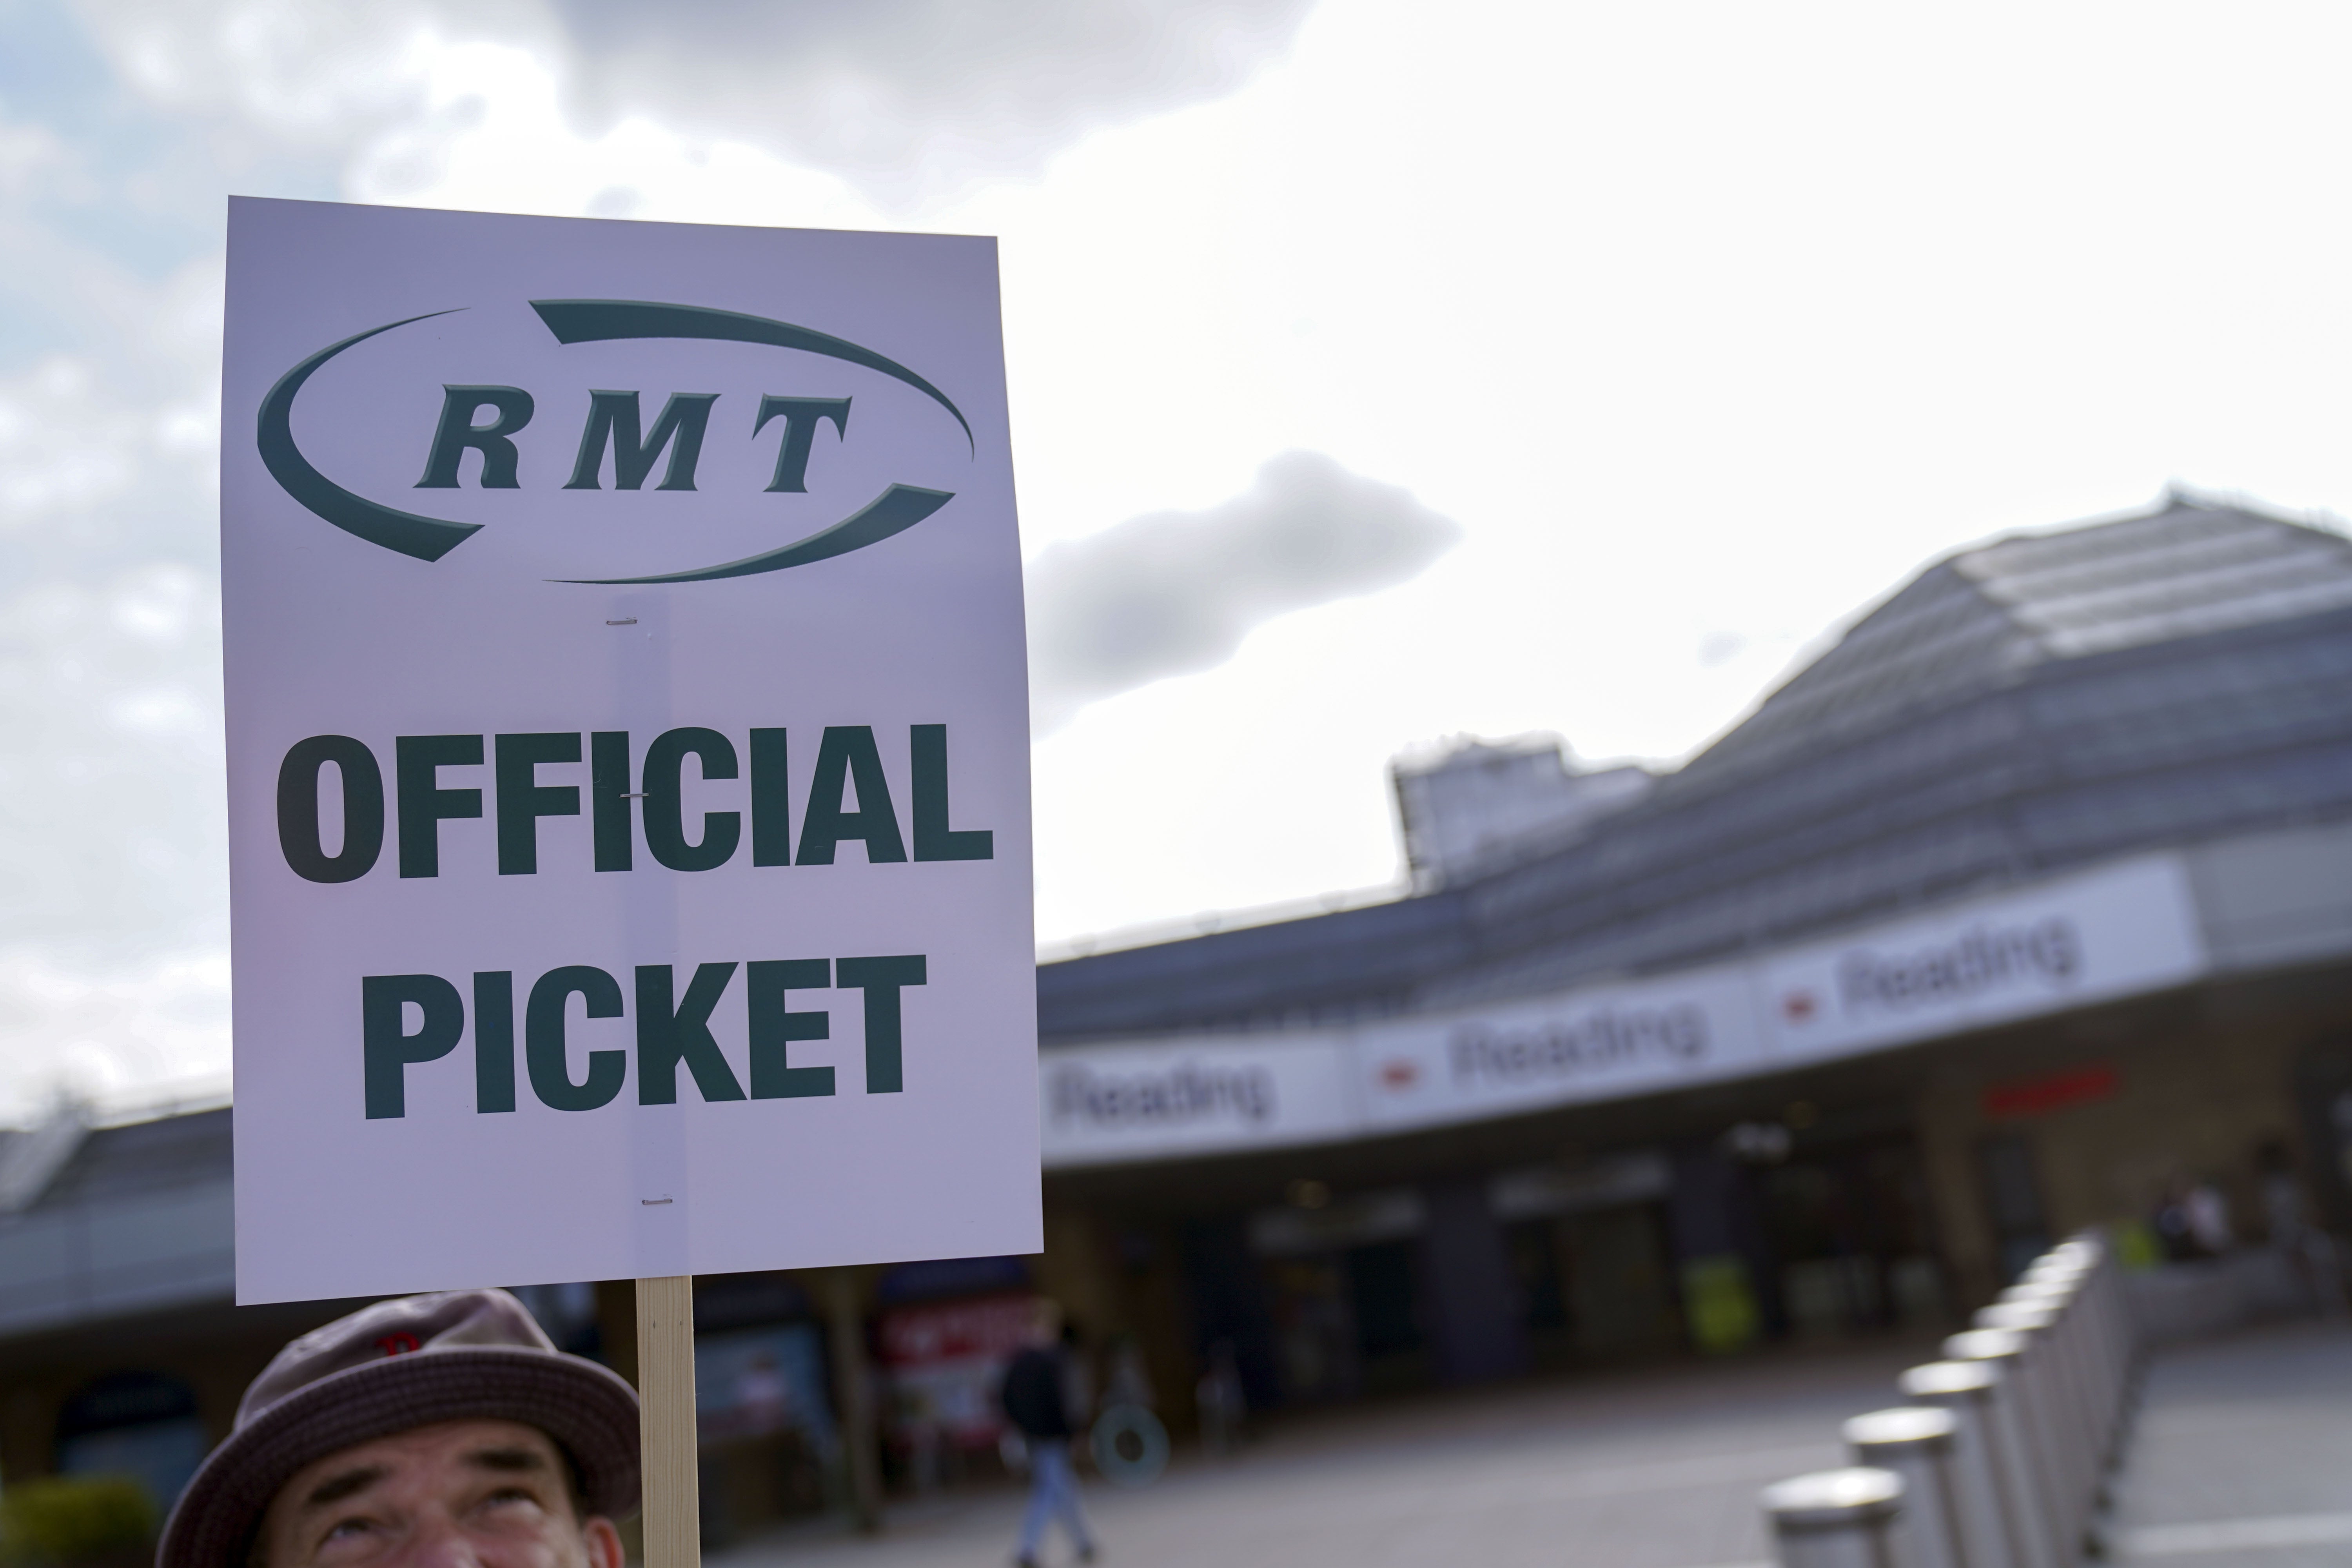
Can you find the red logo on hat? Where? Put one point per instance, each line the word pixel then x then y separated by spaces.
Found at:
pixel 1799 1006
pixel 400 1344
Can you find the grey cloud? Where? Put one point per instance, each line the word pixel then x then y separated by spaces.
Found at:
pixel 907 99
pixel 908 96
pixel 1174 592
pixel 263 77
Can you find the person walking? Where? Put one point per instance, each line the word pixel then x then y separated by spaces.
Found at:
pixel 1036 1400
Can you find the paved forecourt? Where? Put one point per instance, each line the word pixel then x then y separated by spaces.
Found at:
pixel 2238 1457
pixel 2241 1455
pixel 1656 1468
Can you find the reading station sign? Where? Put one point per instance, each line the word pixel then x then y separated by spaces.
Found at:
pixel 2119 930
pixel 628 734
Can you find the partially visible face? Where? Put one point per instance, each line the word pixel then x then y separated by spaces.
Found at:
pixel 460 1494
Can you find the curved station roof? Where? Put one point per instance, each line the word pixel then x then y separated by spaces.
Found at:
pixel 2022 718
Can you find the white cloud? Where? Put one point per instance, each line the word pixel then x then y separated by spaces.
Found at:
pixel 908 99
pixel 110 1033
pixel 912 98
pixel 62 448
pixel 28 153
pixel 280 69
pixel 112 963
pixel 1174 592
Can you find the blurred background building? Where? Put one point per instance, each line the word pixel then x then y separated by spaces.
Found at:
pixel 2026 905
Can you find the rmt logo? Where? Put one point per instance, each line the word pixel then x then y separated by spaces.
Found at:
pixel 614 439
pixel 615 428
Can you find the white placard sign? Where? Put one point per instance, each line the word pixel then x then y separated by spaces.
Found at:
pixel 628 752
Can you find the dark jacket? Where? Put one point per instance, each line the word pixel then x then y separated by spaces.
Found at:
pixel 1032 1394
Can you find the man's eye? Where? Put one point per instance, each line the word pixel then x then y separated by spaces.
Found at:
pixel 511 1494
pixel 346 1529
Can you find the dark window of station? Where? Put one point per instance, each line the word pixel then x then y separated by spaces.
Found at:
pixel 936 1278
pixel 2020 1225
pixel 2323 1086
pixel 1315 1328
pixel 567 1313
pixel 763 1404
pixel 1595 1286
pixel 1849 1230
pixel 1383 1291
pixel 1536 1269
pixel 139 1423
pixel 1234 1311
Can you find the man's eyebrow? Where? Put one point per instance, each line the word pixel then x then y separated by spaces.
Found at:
pixel 508 1460
pixel 335 1488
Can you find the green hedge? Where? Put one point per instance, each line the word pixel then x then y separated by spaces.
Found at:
pixel 64 1520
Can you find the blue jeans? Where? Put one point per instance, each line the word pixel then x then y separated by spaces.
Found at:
pixel 1052 1494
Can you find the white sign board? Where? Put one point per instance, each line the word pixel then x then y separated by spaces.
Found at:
pixel 2114 932
pixel 1598 1043
pixel 2120 930
pixel 1194 1097
pixel 628 752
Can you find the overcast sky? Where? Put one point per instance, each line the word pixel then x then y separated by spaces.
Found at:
pixel 1381 372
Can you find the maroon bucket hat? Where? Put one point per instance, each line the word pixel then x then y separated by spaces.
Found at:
pixel 459 1355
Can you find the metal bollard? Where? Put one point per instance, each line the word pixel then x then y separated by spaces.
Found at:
pixel 2042 1318
pixel 1836 1519
pixel 2078 1277
pixel 2050 1394
pixel 2074 1290
pixel 2055 1390
pixel 2086 1360
pixel 2017 1447
pixel 2074 1359
pixel 2119 1335
pixel 1917 1443
pixel 1967 1390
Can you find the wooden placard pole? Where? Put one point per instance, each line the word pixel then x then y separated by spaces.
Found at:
pixel 843 1312
pixel 673 1511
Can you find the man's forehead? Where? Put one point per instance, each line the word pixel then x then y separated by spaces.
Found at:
pixel 443 1440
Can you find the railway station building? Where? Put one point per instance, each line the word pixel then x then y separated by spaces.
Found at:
pixel 2025 905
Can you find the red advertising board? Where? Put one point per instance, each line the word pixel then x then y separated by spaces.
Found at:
pixel 945 1358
